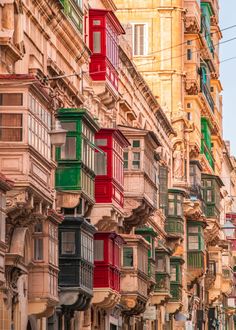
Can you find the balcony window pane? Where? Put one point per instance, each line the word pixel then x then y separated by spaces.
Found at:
pixel 99 250
pixel 171 208
pixel 136 143
pixel 160 264
pixel 209 196
pixel 128 257
pixel 126 159
pixel 101 142
pixel 100 163
pixel 68 150
pixel 11 99
pixel 179 209
pixel 10 127
pixel 136 160
pixel 193 242
pixel 173 273
pixel 97 42
pixel 38 249
pixel 68 242
pixel 70 126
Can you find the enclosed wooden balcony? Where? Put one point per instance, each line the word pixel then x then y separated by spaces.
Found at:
pixel 76 256
pixel 174 225
pixel 175 301
pixel 140 166
pixel 161 292
pixel 134 274
pixel 107 271
pixel 108 212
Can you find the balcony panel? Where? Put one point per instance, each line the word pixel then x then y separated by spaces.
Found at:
pixel 195 260
pixel 162 283
pixel 174 226
pixel 176 292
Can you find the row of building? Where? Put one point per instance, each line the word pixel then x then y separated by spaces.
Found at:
pixel 117 190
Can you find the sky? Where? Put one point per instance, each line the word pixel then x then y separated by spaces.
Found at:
pixel 228 71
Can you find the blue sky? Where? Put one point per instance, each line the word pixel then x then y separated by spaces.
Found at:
pixel 228 71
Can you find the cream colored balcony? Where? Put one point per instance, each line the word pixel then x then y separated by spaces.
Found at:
pixel 227 280
pixel 140 198
pixel 134 274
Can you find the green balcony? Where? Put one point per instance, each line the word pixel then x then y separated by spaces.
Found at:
pixel 174 227
pixel 162 283
pixel 176 292
pixel 75 171
pixel 211 185
pixel 195 260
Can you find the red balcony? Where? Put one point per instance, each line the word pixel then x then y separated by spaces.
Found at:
pixel 103 41
pixel 107 269
pixel 109 182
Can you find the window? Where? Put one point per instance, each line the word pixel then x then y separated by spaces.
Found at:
pixel 100 163
pixel 101 142
pixel 195 238
pixel 98 250
pixel 126 159
pixel 173 273
pixel 11 99
pixel 69 126
pixel 97 42
pixel 87 249
pixel 11 127
pixel 175 205
pixel 139 37
pixel 68 242
pixel 39 127
pixel 68 150
pixel 96 22
pixel 189 105
pixel 136 160
pixel 160 264
pixel 38 249
pixel 136 144
pixel 189 54
pixel 53 244
pixel 189 42
pixel 189 115
pixel 163 187
pixel 128 258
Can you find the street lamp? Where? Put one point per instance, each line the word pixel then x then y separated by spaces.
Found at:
pixel 58 134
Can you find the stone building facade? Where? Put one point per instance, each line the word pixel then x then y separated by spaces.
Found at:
pixel 113 150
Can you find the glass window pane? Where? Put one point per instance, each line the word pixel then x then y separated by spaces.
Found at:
pixel 209 196
pixel 71 126
pixel 10 127
pixel 136 160
pixel 11 99
pixel 38 249
pixel 97 42
pixel 68 150
pixel 179 209
pixel 136 143
pixel 173 273
pixel 100 163
pixel 193 242
pixel 99 250
pixel 171 208
pixel 193 229
pixel 128 257
pixel 68 242
pixel 101 142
